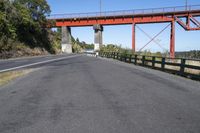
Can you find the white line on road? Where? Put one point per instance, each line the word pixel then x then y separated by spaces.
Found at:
pixel 37 63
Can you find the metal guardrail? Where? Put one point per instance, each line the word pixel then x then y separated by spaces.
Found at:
pixel 179 66
pixel 91 53
pixel 126 12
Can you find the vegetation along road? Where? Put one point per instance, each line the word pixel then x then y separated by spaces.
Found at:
pixel 82 94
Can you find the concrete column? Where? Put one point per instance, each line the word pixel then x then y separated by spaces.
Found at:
pixel 66 40
pixel 98 38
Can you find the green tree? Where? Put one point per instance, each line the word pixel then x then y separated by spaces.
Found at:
pixel 24 21
pixel 7 23
pixel 32 21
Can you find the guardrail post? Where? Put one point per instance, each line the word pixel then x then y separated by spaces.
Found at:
pixel 153 61
pixel 135 59
pixel 130 58
pixel 143 60
pixel 163 64
pixel 182 68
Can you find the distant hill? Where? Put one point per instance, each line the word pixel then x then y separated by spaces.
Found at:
pixel 194 54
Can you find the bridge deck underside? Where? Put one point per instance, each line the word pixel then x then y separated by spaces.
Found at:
pixel 126 19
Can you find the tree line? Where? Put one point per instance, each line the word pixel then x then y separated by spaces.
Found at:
pixel 194 54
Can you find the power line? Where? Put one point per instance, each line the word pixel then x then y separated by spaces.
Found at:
pixel 186 4
pixel 100 6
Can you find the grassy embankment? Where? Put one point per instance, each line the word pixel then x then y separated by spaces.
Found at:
pixel 7 77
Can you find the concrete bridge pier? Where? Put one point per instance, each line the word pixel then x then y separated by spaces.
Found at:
pixel 66 40
pixel 98 38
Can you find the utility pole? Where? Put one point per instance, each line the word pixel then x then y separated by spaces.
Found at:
pixel 186 4
pixel 100 6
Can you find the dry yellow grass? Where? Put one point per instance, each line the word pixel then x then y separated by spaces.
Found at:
pixel 6 77
pixel 193 71
pixel 177 68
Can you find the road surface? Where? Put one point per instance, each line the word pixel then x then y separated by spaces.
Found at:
pixel 13 63
pixel 85 94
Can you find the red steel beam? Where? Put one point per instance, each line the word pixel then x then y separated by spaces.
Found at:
pixel 133 37
pixel 114 21
pixel 164 11
pixel 195 21
pixel 172 40
pixel 187 26
pixel 120 20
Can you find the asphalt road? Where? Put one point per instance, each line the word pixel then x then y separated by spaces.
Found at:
pixel 93 95
pixel 12 63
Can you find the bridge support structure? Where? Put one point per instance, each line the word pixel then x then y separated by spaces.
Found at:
pixel 66 40
pixel 188 19
pixel 172 40
pixel 133 37
pixel 98 37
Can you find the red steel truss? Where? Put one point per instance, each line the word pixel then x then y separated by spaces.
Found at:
pixel 141 16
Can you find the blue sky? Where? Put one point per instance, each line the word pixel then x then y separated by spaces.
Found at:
pixel 122 34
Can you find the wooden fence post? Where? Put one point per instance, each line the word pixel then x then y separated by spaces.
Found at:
pixel 135 59
pixel 125 57
pixel 143 60
pixel 153 61
pixel 130 58
pixel 182 67
pixel 163 64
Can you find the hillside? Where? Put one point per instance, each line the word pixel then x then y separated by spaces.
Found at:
pixel 23 29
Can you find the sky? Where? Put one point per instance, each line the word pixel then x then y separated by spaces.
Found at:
pixel 122 34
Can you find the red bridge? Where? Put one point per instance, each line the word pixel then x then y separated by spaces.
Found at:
pixel 141 16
